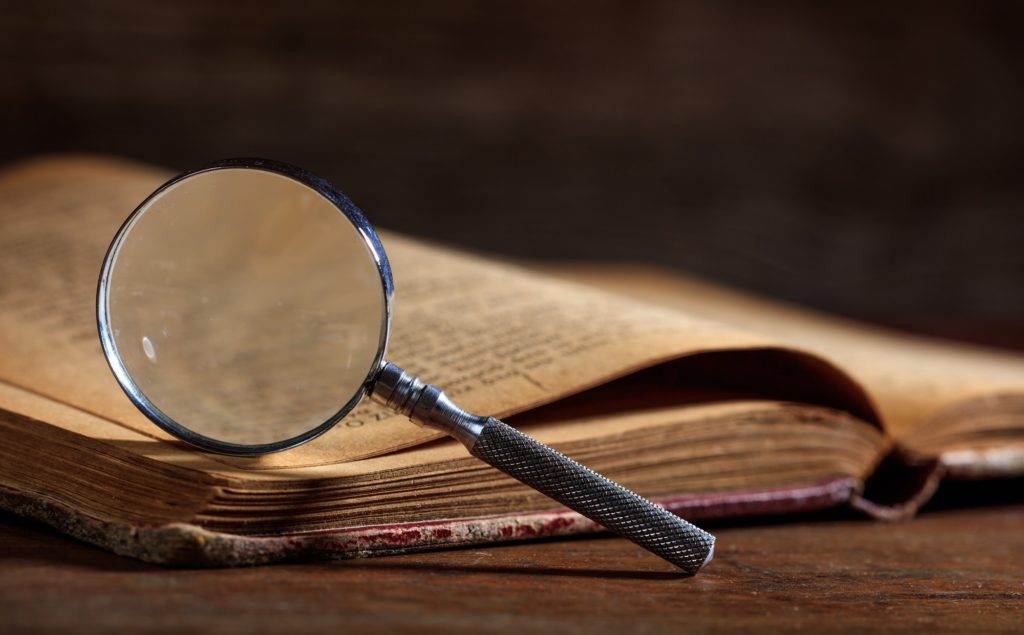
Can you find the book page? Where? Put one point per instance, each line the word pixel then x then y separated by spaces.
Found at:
pixel 914 380
pixel 709 423
pixel 740 452
pixel 497 339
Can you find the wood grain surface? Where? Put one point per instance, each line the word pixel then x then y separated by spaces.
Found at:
pixel 956 568
pixel 947 571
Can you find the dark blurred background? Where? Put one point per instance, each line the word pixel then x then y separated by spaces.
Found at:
pixel 864 158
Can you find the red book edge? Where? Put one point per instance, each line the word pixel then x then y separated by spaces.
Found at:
pixel 184 544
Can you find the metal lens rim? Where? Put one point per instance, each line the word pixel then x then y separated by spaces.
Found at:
pixel 138 397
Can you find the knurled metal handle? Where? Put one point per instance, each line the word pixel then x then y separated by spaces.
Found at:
pixel 581 489
pixel 531 462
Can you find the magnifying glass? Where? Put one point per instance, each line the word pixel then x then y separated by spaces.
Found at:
pixel 245 308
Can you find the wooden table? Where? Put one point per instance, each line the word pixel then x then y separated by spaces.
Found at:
pixel 950 570
pixel 955 568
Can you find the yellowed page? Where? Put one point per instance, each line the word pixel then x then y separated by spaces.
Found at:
pixel 863 438
pixel 914 380
pixel 748 447
pixel 499 340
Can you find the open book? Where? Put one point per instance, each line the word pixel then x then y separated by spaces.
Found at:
pixel 709 402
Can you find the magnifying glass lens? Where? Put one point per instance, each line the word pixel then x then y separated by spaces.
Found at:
pixel 243 307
